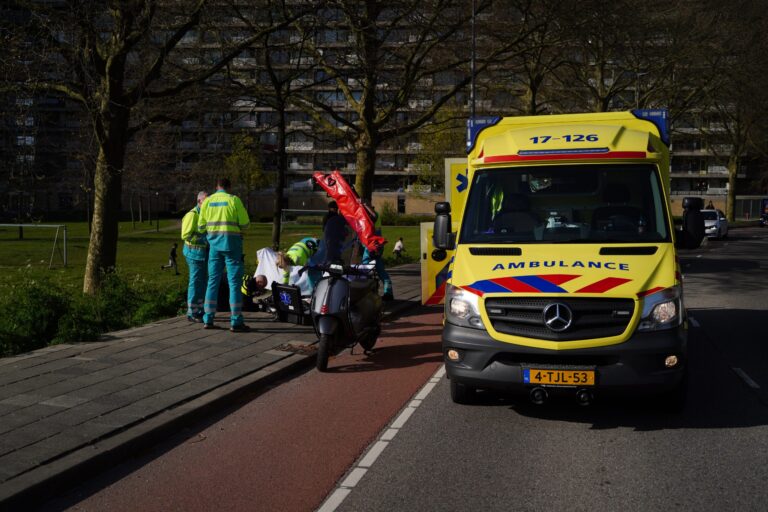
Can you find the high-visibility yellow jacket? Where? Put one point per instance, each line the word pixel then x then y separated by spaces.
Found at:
pixel 300 253
pixel 222 219
pixel 195 242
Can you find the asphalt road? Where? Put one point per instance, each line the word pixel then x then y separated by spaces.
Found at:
pixel 623 455
pixel 288 448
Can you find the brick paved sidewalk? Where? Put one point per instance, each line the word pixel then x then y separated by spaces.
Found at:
pixel 67 409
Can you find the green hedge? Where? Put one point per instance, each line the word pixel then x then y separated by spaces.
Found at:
pixel 390 217
pixel 38 312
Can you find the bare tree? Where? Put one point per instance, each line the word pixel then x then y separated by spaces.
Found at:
pixel 286 69
pixel 735 111
pixel 116 59
pixel 391 79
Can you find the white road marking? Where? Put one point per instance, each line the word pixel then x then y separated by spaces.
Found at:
pixel 693 321
pixel 389 434
pixel 400 421
pixel 334 500
pixel 425 391
pixel 746 378
pixel 353 478
pixel 373 453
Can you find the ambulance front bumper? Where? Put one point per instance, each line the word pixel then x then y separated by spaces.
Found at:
pixel 636 365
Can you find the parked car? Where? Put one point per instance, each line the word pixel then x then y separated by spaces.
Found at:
pixel 715 223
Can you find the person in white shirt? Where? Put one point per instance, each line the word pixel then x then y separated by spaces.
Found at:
pixel 399 248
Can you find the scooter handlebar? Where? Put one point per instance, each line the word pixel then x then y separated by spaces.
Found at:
pixel 339 269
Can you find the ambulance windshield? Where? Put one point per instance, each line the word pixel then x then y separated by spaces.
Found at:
pixel 566 204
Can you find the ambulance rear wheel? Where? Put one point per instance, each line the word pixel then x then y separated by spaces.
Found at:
pixel 323 352
pixel 461 393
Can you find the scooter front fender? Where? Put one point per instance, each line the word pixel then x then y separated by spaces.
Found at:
pixel 327 325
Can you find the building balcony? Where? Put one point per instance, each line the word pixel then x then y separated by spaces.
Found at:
pixel 300 146
pixel 414 104
pixel 244 62
pixel 245 123
pixel 715 191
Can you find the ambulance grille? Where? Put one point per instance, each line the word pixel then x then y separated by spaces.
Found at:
pixel 592 318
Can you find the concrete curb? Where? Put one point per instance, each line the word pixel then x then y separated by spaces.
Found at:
pixel 45 482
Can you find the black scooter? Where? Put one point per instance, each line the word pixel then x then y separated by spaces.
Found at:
pixel 346 310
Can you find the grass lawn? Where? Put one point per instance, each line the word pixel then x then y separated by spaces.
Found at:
pixel 142 250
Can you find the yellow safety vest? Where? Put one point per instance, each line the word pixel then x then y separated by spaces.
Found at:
pixel 222 219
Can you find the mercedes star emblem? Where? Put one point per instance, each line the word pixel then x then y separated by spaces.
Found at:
pixel 557 316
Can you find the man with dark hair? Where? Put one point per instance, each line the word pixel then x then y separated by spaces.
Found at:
pixel 335 230
pixel 222 219
pixel 333 209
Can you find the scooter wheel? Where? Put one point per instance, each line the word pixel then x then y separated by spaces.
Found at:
pixel 369 341
pixel 323 351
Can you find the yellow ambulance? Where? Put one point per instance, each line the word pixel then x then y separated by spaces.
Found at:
pixel 565 277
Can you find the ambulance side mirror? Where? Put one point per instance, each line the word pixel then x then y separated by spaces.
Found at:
pixel 442 238
pixel 692 232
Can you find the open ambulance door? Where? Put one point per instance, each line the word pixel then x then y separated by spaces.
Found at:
pixel 436 265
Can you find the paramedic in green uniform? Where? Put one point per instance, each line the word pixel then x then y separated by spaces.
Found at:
pixel 222 219
pixel 196 253
pixel 298 255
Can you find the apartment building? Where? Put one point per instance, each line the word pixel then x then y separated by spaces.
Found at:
pixel 47 154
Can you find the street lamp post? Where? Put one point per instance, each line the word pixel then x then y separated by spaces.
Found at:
pixel 637 87
pixel 157 212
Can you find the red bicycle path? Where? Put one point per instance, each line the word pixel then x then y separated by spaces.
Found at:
pixel 287 448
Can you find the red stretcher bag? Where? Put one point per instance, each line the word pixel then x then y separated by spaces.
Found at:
pixel 351 208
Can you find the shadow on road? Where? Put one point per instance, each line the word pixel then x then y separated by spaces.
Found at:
pixel 717 266
pixel 717 397
pixel 388 357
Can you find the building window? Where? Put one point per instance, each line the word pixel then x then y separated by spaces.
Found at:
pixel 25 140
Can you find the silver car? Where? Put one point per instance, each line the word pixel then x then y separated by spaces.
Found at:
pixel 715 223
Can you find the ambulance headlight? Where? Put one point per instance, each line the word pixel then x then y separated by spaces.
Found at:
pixel 662 310
pixel 461 308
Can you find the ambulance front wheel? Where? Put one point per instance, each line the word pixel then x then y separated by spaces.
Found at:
pixel 461 393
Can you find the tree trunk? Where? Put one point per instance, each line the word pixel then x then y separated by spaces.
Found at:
pixel 365 150
pixel 102 248
pixel 282 169
pixel 108 186
pixel 133 219
pixel 730 203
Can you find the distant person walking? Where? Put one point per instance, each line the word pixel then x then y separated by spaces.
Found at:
pixel 172 260
pixel 196 253
pixel 222 219
pixel 398 249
